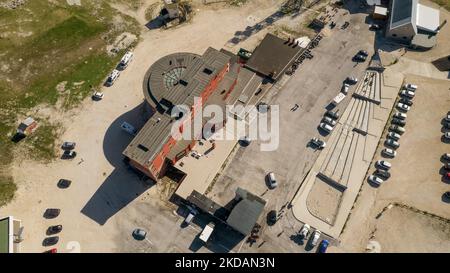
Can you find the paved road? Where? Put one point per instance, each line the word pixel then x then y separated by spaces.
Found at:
pixel 312 87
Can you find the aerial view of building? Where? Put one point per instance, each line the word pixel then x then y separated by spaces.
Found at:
pixel 255 126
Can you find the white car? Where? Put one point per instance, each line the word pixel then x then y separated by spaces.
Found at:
pixel 375 179
pixel 447 135
pixel 446 156
pixel 304 231
pixel 403 106
pixel 383 164
pixel 345 88
pixel 400 115
pixel 126 59
pixel 272 180
pixel 326 127
pixel 411 87
pixel 407 93
pixel 389 152
pixel 329 120
pixel 394 136
pixel 315 237
pixel 112 77
pixel 97 95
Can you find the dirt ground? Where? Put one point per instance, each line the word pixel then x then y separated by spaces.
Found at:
pixel 401 229
pixel 416 176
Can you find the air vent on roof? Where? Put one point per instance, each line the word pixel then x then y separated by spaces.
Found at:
pixel 143 148
pixel 207 71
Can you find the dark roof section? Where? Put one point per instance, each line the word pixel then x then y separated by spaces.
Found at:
pixel 272 56
pixel 403 12
pixel 173 80
pixel 246 212
pixel 443 64
pixel 207 205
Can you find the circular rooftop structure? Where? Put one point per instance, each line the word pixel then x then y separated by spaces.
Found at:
pixel 165 75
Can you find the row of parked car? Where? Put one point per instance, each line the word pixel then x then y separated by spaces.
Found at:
pixel 314 239
pixel 393 137
pixel 446 158
pixel 446 125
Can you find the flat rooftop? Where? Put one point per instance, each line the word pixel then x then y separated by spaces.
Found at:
pixel 272 56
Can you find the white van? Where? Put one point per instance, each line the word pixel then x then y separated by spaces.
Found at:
pixel 112 77
pixel 410 87
pixel 126 59
pixel 272 180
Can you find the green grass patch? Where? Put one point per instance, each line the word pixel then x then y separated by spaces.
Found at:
pixel 443 3
pixel 7 189
pixel 41 144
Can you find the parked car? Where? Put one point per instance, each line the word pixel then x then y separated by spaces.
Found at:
pixel 64 183
pixel 345 88
pixel 126 59
pixel 446 157
pixel 49 241
pixel 382 174
pixel 272 180
pixel 447 135
pixel 139 234
pixel 399 122
pixel 54 229
pixel 323 246
pixel 69 154
pixel 97 95
pixel 304 231
pixel 326 127
pixel 52 213
pixel 329 120
pixel 375 27
pixel 403 106
pixel 363 53
pixel 351 80
pixel 315 237
pixel 400 115
pixel 375 179
pixel 383 164
pixel 447 194
pixel 359 58
pixel 68 145
pixel 394 136
pixel 392 143
pixel 447 118
pixel 272 217
pixel 317 143
pixel 345 25
pixel 406 101
pixel 447 175
pixel 411 87
pixel 398 129
pixel 112 77
pixel 389 152
pixel 446 166
pixel 52 250
pixel 407 93
pixel 331 114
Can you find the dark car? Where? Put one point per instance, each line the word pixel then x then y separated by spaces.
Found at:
pixel 331 114
pixel 271 217
pixel 68 145
pixel 51 213
pixel 54 229
pixel 69 154
pixel 345 25
pixel 447 166
pixel 317 143
pixel 363 53
pixel 406 101
pixel 447 194
pixel 49 241
pixel 323 246
pixel 398 122
pixel 382 174
pixel 139 234
pixel 375 27
pixel 359 58
pixel 64 183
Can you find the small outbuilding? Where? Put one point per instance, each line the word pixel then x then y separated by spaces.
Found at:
pixel 26 127
pixel 380 13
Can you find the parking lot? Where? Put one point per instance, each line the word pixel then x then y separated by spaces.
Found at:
pixel 416 177
pixel 312 87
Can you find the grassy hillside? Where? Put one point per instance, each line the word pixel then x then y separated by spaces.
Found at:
pixel 44 44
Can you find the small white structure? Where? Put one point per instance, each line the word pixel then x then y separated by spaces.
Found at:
pixel 427 19
pixel 303 42
pixel 10 234
pixel 207 231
